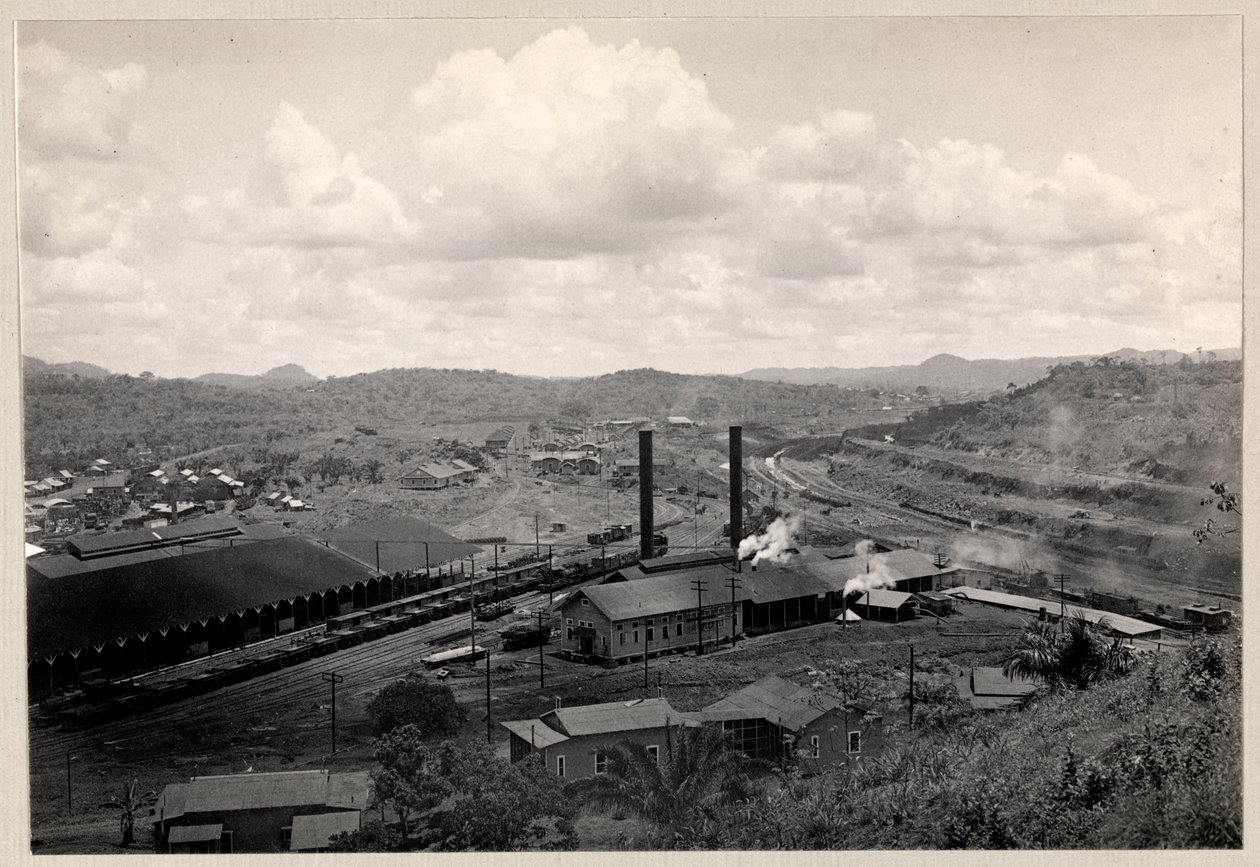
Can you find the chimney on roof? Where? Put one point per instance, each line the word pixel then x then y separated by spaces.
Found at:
pixel 737 485
pixel 646 527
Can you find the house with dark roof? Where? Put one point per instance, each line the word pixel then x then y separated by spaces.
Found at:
pixel 501 439
pixel 286 811
pixel 573 742
pixel 776 719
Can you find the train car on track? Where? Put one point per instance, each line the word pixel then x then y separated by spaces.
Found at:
pixel 448 657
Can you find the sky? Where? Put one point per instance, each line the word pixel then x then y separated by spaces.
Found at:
pixel 560 198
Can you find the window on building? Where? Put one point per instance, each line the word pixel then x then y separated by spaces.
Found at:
pixel 569 621
pixel 634 624
pixel 680 618
pixel 691 627
pixel 622 636
pixel 651 634
pixel 604 639
pixel 286 837
pixel 570 635
pixel 636 636
pixel 855 742
pixel 560 766
pixel 664 631
pixel 813 743
pixel 601 762
pixel 654 753
pixel 586 603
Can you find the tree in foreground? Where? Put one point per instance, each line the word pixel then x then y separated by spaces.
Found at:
pixel 698 773
pixel 127 806
pixel 1074 654
pixel 468 798
pixel 413 776
pixel 427 705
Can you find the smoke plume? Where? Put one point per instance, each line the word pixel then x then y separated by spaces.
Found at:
pixel 877 575
pixel 771 545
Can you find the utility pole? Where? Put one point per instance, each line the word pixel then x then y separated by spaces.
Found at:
pixel 489 735
pixel 645 658
pixel 472 618
pixel 537 546
pixel 333 678
pixel 912 686
pixel 69 800
pixel 698 584
pixel 1063 579
pixel 542 671
pixel 733 583
pixel 378 556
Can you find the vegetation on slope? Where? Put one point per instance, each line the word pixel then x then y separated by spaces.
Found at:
pixel 1181 422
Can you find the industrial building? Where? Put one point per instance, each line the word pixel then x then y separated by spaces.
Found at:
pixel 287 811
pixel 145 608
pixel 435 476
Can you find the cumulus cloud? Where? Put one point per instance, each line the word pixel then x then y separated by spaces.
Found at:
pixel 67 109
pixel 569 147
pixel 593 191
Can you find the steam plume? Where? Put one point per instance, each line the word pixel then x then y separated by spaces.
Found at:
pixel 771 545
pixel 877 575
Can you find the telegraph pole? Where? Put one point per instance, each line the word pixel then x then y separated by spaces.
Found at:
pixel 1063 579
pixel 542 671
pixel 733 583
pixel 69 801
pixel 537 546
pixel 489 735
pixel 698 584
pixel 333 678
pixel 472 618
pixel 912 686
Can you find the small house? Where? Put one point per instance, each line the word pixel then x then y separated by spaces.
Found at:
pixel 887 605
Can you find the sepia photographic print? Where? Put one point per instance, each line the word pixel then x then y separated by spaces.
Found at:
pixel 622 434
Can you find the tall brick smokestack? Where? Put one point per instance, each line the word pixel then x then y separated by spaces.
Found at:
pixel 645 495
pixel 737 485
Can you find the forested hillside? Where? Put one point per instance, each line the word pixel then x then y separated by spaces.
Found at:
pixel 1181 422
pixel 88 417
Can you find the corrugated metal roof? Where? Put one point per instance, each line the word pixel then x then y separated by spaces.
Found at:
pixel 407 538
pixel 616 716
pixel 316 830
pixel 535 731
pixel 221 526
pixel 1127 626
pixel 260 791
pixel 194 833
pixel 775 700
pixel 884 598
pixel 142 597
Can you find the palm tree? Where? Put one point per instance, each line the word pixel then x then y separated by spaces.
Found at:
pixel 1075 656
pixel 128 805
pixel 698 772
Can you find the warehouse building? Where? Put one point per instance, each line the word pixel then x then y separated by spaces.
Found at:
pixel 286 811
pixel 160 608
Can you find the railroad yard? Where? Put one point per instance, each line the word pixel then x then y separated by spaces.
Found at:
pixel 266 706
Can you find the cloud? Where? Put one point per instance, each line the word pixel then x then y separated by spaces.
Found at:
pixel 313 197
pixel 568 147
pixel 67 109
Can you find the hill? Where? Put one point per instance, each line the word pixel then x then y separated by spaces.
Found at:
pixel 92 417
pixel 81 369
pixel 1180 422
pixel 946 373
pixel 285 376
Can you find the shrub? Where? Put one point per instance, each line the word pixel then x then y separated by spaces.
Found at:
pixel 429 706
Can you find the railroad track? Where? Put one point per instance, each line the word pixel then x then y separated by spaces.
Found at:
pixel 374 663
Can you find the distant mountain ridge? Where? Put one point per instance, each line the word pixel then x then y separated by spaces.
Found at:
pixel 945 372
pixel 284 376
pixel 69 368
